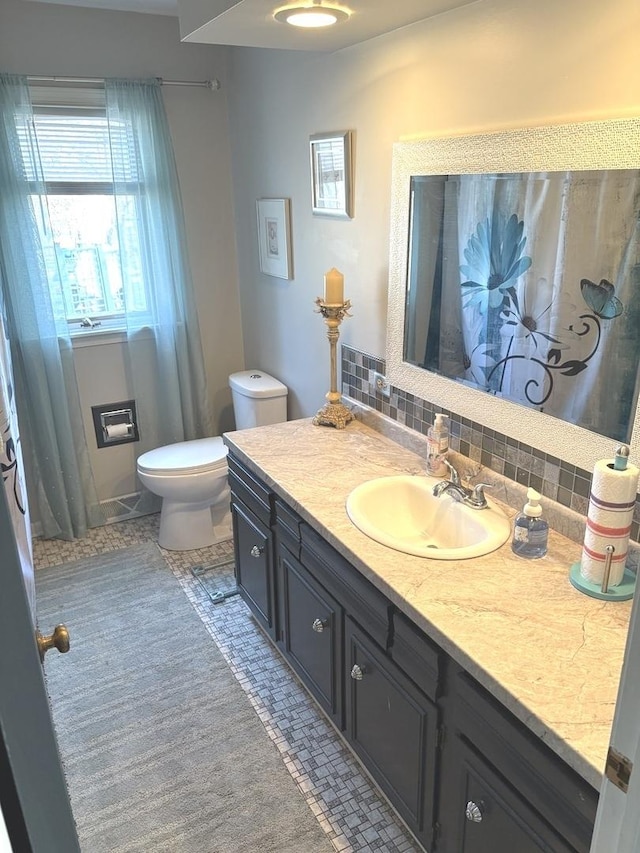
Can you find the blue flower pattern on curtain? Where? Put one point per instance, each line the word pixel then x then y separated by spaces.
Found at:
pixel 495 261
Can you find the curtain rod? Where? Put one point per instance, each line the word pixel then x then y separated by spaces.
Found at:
pixel 213 85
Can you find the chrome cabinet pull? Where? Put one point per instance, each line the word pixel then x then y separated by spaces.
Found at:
pixel 473 813
pixel 319 625
pixel 357 672
pixel 256 551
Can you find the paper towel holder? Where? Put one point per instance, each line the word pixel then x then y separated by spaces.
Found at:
pixel 621 592
pixel 115 423
pixel 625 588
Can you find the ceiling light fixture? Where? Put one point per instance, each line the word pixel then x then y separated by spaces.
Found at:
pixel 311 15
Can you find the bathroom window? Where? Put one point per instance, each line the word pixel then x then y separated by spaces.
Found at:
pixel 87 237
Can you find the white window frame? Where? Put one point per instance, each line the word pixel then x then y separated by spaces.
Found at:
pixel 80 101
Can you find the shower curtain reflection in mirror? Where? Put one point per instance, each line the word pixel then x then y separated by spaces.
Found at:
pixel 526 286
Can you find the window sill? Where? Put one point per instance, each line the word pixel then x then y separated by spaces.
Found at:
pixel 106 335
pixel 97 337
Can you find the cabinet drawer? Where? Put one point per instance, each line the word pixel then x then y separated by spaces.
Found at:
pixel 491 816
pixel 562 797
pixel 254 565
pixel 288 519
pixel 416 654
pixel 311 633
pixel 251 491
pixel 392 726
pixel 357 595
pixel 288 527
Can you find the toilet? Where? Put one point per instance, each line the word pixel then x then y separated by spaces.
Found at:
pixel 191 476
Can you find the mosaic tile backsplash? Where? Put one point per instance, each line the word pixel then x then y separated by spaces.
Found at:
pixel 554 478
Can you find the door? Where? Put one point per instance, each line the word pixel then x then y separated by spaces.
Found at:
pixel 618 817
pixel 13 469
pixel 33 792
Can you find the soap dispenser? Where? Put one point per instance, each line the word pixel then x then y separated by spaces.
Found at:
pixel 530 530
pixel 437 446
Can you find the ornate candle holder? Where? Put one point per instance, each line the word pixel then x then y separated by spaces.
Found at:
pixel 333 413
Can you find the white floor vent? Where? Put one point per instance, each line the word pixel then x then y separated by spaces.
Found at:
pixel 119 509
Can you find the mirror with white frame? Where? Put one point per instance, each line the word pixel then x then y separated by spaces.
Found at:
pixel 513 282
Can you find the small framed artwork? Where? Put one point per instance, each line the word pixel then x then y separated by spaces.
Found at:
pixel 274 236
pixel 332 174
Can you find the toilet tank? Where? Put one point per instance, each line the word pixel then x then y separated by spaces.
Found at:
pixel 258 399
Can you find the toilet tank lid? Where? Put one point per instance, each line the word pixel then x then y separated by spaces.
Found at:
pixel 257 383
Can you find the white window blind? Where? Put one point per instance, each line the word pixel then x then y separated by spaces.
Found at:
pixel 77 149
pixel 75 96
pixel 70 152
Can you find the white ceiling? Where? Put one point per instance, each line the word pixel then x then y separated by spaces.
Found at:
pixel 153 7
pixel 250 22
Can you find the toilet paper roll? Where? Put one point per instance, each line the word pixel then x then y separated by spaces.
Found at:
pixel 117 431
pixel 611 504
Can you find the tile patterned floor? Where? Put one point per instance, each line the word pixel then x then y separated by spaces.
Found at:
pixel 355 817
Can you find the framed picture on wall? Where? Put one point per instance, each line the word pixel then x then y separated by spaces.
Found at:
pixel 274 237
pixel 332 174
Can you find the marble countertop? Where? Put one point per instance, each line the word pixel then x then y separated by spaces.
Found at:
pixel 549 653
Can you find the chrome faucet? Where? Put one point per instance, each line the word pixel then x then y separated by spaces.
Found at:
pixel 474 498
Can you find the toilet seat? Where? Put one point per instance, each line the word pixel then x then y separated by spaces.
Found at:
pixel 199 456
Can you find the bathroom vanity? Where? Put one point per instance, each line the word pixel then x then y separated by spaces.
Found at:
pixel 478 694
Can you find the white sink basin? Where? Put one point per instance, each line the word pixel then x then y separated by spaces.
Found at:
pixel 401 512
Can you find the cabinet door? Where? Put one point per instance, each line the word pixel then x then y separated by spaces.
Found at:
pixel 392 726
pixel 254 565
pixel 491 816
pixel 312 633
pixel 529 791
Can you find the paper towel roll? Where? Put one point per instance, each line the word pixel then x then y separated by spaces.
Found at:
pixel 117 431
pixel 611 504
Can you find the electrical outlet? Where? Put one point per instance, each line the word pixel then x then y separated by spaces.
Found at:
pixel 381 384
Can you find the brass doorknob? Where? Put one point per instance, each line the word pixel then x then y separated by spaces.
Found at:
pixel 58 640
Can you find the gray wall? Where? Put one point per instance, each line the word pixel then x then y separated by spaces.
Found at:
pixel 38 38
pixel 491 65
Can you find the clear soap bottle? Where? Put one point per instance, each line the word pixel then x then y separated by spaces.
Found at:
pixel 438 446
pixel 530 530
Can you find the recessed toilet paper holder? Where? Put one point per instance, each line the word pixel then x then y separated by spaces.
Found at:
pixel 115 423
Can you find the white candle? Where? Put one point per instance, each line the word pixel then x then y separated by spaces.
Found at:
pixel 334 287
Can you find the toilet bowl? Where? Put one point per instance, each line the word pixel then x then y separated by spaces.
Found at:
pixel 191 476
pixel 191 479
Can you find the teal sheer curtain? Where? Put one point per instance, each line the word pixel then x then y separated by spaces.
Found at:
pixel 60 482
pixel 164 352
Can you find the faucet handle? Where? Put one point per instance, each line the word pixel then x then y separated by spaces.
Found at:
pixel 454 477
pixel 478 496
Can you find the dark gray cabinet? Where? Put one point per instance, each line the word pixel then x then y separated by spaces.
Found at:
pixel 254 565
pixel 464 774
pixel 492 815
pixel 251 512
pixel 392 727
pixel 335 631
pixel 521 789
pixel 311 633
